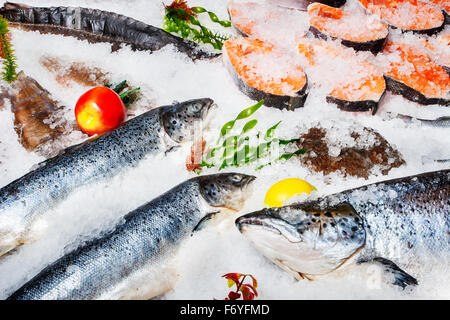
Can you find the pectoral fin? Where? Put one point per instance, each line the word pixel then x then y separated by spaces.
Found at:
pixel 204 221
pixel 297 275
pixel 171 149
pixel 400 277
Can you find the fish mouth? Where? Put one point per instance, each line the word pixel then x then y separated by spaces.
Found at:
pixel 247 190
pixel 264 221
pixel 243 221
pixel 268 223
pixel 248 180
pixel 209 112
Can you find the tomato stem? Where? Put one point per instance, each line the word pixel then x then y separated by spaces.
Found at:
pixel 123 95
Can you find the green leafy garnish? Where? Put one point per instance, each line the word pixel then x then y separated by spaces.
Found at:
pixel 242 115
pixel 236 150
pixel 127 97
pixel 9 72
pixel 182 20
pixel 249 126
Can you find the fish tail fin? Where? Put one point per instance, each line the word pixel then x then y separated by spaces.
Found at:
pixel 398 277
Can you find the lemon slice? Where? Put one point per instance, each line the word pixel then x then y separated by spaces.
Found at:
pixel 285 189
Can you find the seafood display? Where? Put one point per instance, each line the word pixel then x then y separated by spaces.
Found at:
pixel 154 150
pixel 316 238
pixel 156 131
pixel 147 236
pixel 360 85
pixel 98 26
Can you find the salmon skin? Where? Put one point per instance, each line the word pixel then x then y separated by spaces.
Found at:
pixel 98 26
pixel 395 224
pixel 154 132
pixel 148 237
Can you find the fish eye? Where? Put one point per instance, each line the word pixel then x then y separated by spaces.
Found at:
pixel 196 106
pixel 236 178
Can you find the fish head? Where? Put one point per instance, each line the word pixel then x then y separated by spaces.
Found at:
pixel 228 190
pixel 304 239
pixel 181 120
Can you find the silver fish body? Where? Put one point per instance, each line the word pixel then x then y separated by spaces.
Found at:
pixel 402 221
pixel 146 237
pixel 151 133
pixel 405 219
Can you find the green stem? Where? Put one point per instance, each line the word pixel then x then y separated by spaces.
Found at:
pixel 123 95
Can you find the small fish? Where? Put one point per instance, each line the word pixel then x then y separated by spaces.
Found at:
pixel 148 238
pixel 34 109
pixel 155 132
pixel 98 26
pixel 391 224
pixel 441 122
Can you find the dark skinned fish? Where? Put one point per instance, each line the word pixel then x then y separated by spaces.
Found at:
pixel 146 238
pixel 98 26
pixel 154 132
pixel 394 224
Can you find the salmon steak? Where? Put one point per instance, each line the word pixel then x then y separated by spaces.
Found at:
pixel 263 72
pixel 408 15
pixel 356 29
pixel 354 84
pixel 412 74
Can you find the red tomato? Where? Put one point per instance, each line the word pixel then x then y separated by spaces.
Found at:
pixel 99 110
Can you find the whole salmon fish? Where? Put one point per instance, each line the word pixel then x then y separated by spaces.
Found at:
pixel 147 238
pixel 98 26
pixel 154 132
pixel 395 224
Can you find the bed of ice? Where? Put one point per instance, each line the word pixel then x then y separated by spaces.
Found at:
pixel 166 76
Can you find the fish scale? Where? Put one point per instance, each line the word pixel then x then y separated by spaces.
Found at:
pixel 147 236
pixel 133 243
pixel 403 221
pixel 412 222
pixel 90 162
pixel 98 26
